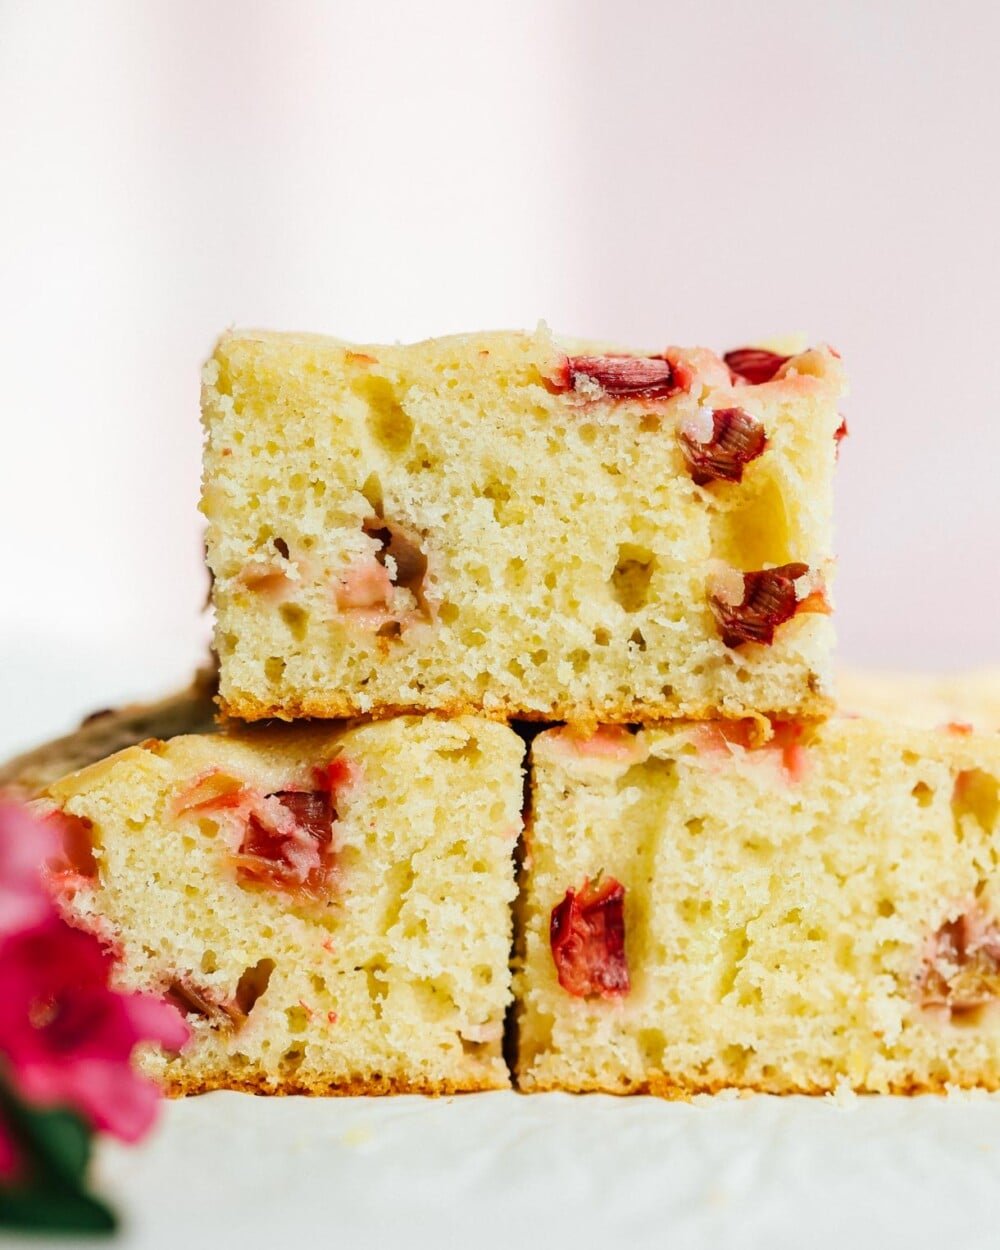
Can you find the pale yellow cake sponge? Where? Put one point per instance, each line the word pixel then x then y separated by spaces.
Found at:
pixel 819 910
pixel 330 907
pixel 484 523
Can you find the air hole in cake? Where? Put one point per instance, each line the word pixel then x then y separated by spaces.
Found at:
pixel 274 669
pixel 638 639
pixel 280 546
pixel 378 987
pixel 209 962
pixel 291 1061
pixel 695 825
pixel 652 1044
pixel 388 423
pixel 408 566
pixel 976 795
pixel 886 907
pixel 252 984
pixel 496 491
pixel 602 636
pixel 632 575
pixel 754 530
pixel 297 1018
pixel 372 491
pixel 296 618
pixel 923 794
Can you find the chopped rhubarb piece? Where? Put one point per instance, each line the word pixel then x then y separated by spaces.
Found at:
pixel 787 739
pixel 210 792
pixel 718 444
pixel 75 862
pixel 607 742
pixel 816 601
pixel 754 364
pixel 288 842
pixel 840 433
pixel 340 772
pixel 623 377
pixel 962 964
pixel 193 1000
pixel 587 936
pixel 769 599
pixel 784 746
pixel 363 586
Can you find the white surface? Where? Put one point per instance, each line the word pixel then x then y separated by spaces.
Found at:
pixel 508 1171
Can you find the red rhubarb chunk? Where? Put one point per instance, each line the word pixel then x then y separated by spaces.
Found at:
pixel 625 377
pixel 769 600
pixel 962 964
pixel 288 843
pixel 75 861
pixel 754 364
pixel 840 433
pixel 587 936
pixel 734 440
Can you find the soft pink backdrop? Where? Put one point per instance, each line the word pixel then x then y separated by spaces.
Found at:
pixel 641 171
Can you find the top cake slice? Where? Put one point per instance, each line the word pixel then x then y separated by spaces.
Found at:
pixel 519 526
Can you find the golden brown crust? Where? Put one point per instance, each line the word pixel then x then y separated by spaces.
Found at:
pixel 335 706
pixel 182 1085
pixel 683 1089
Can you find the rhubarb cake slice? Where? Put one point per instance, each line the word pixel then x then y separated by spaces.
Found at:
pixel 516 525
pixel 970 698
pixel 329 907
pixel 705 908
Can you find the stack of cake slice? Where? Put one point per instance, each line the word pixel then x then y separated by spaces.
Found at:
pixel 722 882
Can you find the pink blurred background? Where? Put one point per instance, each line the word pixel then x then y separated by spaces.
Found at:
pixel 647 172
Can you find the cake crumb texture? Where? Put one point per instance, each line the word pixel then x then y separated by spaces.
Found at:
pixel 329 906
pixel 817 913
pixel 479 524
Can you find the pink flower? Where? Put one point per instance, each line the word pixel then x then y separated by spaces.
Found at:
pixel 66 1038
pixel 25 844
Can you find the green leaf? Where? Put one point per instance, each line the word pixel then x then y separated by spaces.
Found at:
pixel 57 1137
pixel 54 1147
pixel 54 1210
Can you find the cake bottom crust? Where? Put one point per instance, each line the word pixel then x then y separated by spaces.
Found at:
pixel 330 707
pixel 681 1089
pixel 184 1085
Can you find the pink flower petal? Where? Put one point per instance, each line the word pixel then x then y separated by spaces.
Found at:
pixel 66 1036
pixel 25 844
